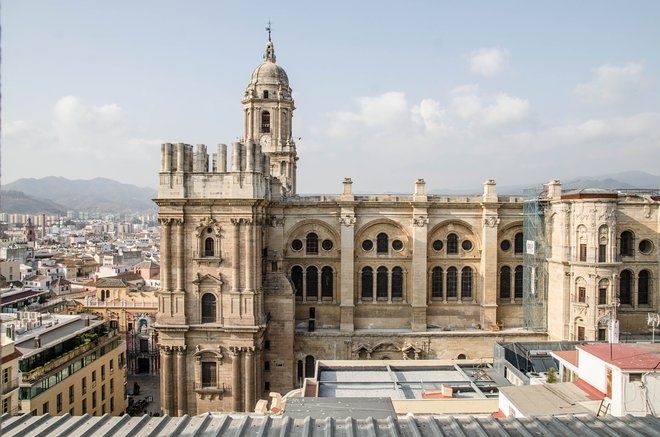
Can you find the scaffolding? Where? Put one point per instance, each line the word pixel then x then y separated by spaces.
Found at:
pixel 535 269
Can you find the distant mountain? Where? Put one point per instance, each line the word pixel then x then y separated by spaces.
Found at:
pixel 99 194
pixel 18 202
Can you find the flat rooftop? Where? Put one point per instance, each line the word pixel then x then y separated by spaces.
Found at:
pixel 405 379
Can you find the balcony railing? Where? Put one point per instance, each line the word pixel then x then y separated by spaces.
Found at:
pixel 39 372
pixel 120 304
pixel 9 386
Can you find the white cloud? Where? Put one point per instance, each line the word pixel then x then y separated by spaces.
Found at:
pixel 612 83
pixel 82 141
pixel 488 62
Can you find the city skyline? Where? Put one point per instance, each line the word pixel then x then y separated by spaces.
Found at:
pixel 454 94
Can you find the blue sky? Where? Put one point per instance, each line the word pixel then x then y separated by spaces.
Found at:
pixel 386 92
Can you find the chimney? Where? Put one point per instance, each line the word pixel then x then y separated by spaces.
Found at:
pixel 37 342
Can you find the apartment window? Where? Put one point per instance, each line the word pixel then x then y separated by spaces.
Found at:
pixel 71 394
pixel 33 412
pixel 209 374
pixel 580 333
pixel 112 404
pixel 59 402
pixel 112 385
pixel 84 385
pixel 71 412
pixel 44 408
pixel 6 375
pixel 93 400
pixel 103 409
pixel 602 253
pixel 583 252
pixel 602 296
pixel 93 378
pixel 112 366
pixel 582 294
pixel 84 406
pixel 5 405
pixel 102 372
pixel 103 392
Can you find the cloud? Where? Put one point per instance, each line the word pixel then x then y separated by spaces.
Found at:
pixel 82 141
pixel 612 83
pixel 469 136
pixel 488 62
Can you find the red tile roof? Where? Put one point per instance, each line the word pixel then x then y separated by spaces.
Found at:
pixel 569 356
pixel 626 356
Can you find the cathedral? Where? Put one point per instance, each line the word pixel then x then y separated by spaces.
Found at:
pixel 258 282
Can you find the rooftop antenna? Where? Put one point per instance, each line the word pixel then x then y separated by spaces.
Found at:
pixel 268 28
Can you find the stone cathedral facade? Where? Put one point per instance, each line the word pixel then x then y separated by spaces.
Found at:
pixel 258 282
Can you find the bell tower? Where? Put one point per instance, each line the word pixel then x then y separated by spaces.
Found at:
pixel 268 110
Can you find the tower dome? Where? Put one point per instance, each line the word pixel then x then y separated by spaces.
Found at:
pixel 269 77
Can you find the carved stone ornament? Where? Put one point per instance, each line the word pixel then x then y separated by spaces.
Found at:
pixel 421 220
pixel 347 220
pixel 276 221
pixel 491 221
pixel 208 223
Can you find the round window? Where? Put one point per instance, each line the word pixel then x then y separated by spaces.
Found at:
pixel 367 245
pixel 645 246
pixel 437 245
pixel 397 244
pixel 209 230
pixel 466 245
pixel 505 245
pixel 326 245
pixel 296 244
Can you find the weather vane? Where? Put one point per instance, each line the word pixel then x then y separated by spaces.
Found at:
pixel 268 28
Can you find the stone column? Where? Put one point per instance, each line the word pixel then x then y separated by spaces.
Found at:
pixel 249 379
pixel 181 381
pixel 346 274
pixel 166 395
pixel 419 269
pixel 488 265
pixel 249 256
pixel 236 386
pixel 236 256
pixel 180 257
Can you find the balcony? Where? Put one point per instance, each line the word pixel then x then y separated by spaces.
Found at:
pixel 119 304
pixel 41 371
pixel 10 385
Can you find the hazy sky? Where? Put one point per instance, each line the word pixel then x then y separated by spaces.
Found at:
pixel 386 92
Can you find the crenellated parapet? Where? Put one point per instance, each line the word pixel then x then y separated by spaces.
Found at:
pixel 192 173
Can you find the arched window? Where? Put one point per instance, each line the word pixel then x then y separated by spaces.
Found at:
pixel 312 244
pixel 505 282
pixel 312 283
pixel 452 244
pixel 625 288
pixel 326 282
pixel 381 283
pixel 452 282
pixel 436 283
pixel 627 243
pixel 209 308
pixel 397 283
pixel 297 279
pixel 381 243
pixel 265 121
pixel 602 244
pixel 518 243
pixel 309 366
pixel 367 283
pixel 466 283
pixel 518 282
pixel 643 287
pixel 300 370
pixel 209 247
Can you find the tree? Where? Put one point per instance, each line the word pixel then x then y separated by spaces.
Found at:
pixel 552 376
